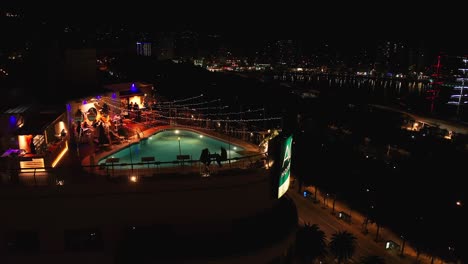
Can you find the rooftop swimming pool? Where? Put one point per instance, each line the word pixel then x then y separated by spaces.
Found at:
pixel 166 145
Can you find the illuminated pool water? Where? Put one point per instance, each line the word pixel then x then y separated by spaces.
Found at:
pixel 164 146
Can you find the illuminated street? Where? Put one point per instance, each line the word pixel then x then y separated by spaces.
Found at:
pixel 317 213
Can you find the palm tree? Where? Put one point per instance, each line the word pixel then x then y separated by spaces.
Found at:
pixel 372 259
pixel 418 247
pixel 377 217
pixel 310 243
pixel 377 232
pixel 315 193
pixel 343 245
pixel 420 236
pixel 333 205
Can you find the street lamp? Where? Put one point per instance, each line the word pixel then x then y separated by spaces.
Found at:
pixel 229 149
pixel 325 199
pixel 403 246
pixel 180 152
pixel 131 158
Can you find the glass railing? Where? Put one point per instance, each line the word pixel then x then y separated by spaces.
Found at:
pixel 114 171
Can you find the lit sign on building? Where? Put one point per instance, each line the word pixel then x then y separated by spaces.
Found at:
pixel 31 165
pixel 285 160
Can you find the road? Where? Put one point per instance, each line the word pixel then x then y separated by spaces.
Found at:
pixel 321 214
pixel 442 124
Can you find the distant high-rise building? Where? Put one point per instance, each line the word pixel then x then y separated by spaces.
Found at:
pixel 143 48
pixel 264 54
pixel 392 56
pixel 165 48
pixel 186 45
pixel 420 61
pixel 287 52
pixel 323 55
pixel 416 59
pixel 210 46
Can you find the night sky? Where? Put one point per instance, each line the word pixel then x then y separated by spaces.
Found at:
pixel 438 25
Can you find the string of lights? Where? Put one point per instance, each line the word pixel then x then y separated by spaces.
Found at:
pixel 236 113
pixel 194 109
pixel 223 120
pixel 218 114
pixel 167 122
pixel 209 108
pixel 234 131
pixel 110 103
pixel 183 100
pixel 184 106
pixel 192 104
pixel 113 105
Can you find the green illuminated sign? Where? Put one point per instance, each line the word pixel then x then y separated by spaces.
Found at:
pixel 285 167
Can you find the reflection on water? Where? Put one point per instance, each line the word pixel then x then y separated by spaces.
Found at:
pixel 386 87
